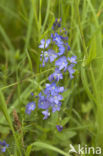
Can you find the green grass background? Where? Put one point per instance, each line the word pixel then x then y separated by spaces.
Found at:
pixel 23 24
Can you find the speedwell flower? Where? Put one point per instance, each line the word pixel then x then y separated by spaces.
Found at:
pixel 57 75
pixel 71 70
pixel 56 24
pixel 61 50
pixel 52 55
pixel 53 89
pixel 44 56
pixel 56 107
pixel 59 128
pixel 56 98
pixel 48 55
pixel 3 146
pixel 72 59
pixel 57 39
pixel 61 63
pixel 46 114
pixel 30 107
pixel 44 43
pixel 43 102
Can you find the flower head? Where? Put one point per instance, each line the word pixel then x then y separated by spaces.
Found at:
pixel 52 55
pixel 44 56
pixel 56 107
pixel 67 46
pixel 32 93
pixel 53 89
pixel 57 75
pixel 59 128
pixel 56 98
pixel 51 98
pixel 71 70
pixel 3 146
pixel 57 39
pixel 72 59
pixel 46 114
pixel 61 63
pixel 44 43
pixel 43 102
pixel 61 50
pixel 56 24
pixel 30 107
pixel 48 55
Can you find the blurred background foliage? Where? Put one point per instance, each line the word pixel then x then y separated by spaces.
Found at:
pixel 23 24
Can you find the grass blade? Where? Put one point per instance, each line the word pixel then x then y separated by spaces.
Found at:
pixel 4 110
pixel 46 146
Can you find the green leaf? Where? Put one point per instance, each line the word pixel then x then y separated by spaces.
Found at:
pixel 92 51
pixel 66 135
pixel 65 121
pixel 45 146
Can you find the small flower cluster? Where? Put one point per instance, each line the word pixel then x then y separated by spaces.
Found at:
pixel 30 107
pixel 3 146
pixel 55 52
pixel 50 97
pixel 62 63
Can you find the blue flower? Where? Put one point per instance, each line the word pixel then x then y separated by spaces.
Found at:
pixel 44 43
pixel 44 57
pixel 72 59
pixel 62 63
pixel 71 70
pixel 68 47
pixel 61 50
pixel 57 39
pixel 3 146
pixel 43 64
pixel 59 128
pixel 46 114
pixel 32 93
pixel 57 75
pixel 56 24
pixel 48 55
pixel 52 55
pixel 61 89
pixel 56 107
pixel 64 38
pixel 43 102
pixel 50 98
pixel 56 98
pixel 30 107
pixel 53 89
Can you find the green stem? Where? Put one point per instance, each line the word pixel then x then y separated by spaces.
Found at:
pixel 40 4
pixel 3 108
pixel 46 16
pixel 80 27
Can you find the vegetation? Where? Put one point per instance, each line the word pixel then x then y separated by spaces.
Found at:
pixel 22 26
